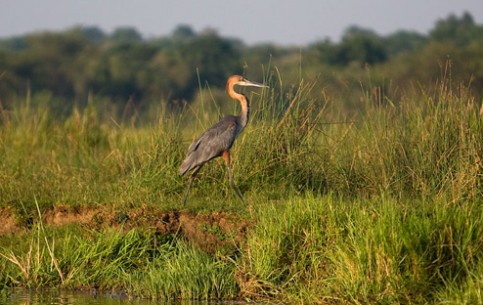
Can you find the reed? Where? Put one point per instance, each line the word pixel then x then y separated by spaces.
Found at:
pixel 380 205
pixel 325 249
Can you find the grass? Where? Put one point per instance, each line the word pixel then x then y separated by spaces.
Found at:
pixel 371 251
pixel 127 263
pixel 379 206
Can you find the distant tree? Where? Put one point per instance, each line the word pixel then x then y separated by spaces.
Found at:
pixel 355 31
pixel 358 45
pixel 215 57
pixel 126 35
pixel 325 51
pixel 183 33
pixel 403 42
pixel 363 46
pixel 13 44
pixel 170 76
pixel 48 62
pixel 93 34
pixel 116 71
pixel 459 30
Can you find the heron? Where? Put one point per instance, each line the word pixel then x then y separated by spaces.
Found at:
pixel 217 140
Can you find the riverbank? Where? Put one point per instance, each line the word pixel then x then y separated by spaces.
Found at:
pixel 302 250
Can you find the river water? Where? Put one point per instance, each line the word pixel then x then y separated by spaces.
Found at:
pixel 68 298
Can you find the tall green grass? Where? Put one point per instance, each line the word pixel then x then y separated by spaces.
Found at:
pixel 136 263
pixel 426 144
pixel 384 251
pixel 380 205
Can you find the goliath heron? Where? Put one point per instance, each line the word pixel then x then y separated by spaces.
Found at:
pixel 217 140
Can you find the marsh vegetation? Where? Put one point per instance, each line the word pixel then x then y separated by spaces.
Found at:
pixel 357 190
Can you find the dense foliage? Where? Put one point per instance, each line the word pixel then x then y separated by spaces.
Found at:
pixel 121 68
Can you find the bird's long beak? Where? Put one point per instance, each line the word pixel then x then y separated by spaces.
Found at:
pixel 248 83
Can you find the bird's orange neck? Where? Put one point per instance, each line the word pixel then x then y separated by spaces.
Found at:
pixel 245 105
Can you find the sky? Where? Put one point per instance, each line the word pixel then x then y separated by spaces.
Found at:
pixel 284 22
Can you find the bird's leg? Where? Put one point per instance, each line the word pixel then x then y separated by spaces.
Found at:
pixel 226 157
pixel 192 177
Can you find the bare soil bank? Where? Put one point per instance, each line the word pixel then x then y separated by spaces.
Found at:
pixel 209 231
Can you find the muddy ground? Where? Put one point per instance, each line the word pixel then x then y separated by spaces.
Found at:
pixel 210 231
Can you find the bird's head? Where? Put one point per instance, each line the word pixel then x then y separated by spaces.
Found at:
pixel 241 81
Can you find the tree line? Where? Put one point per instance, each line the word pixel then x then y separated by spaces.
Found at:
pixel 68 66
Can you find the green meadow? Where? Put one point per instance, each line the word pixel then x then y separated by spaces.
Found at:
pixel 381 205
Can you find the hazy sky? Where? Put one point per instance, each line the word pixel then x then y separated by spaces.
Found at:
pixel 288 22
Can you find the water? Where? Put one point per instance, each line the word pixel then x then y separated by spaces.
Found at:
pixel 74 298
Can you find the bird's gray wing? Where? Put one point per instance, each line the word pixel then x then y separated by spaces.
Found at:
pixel 210 144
